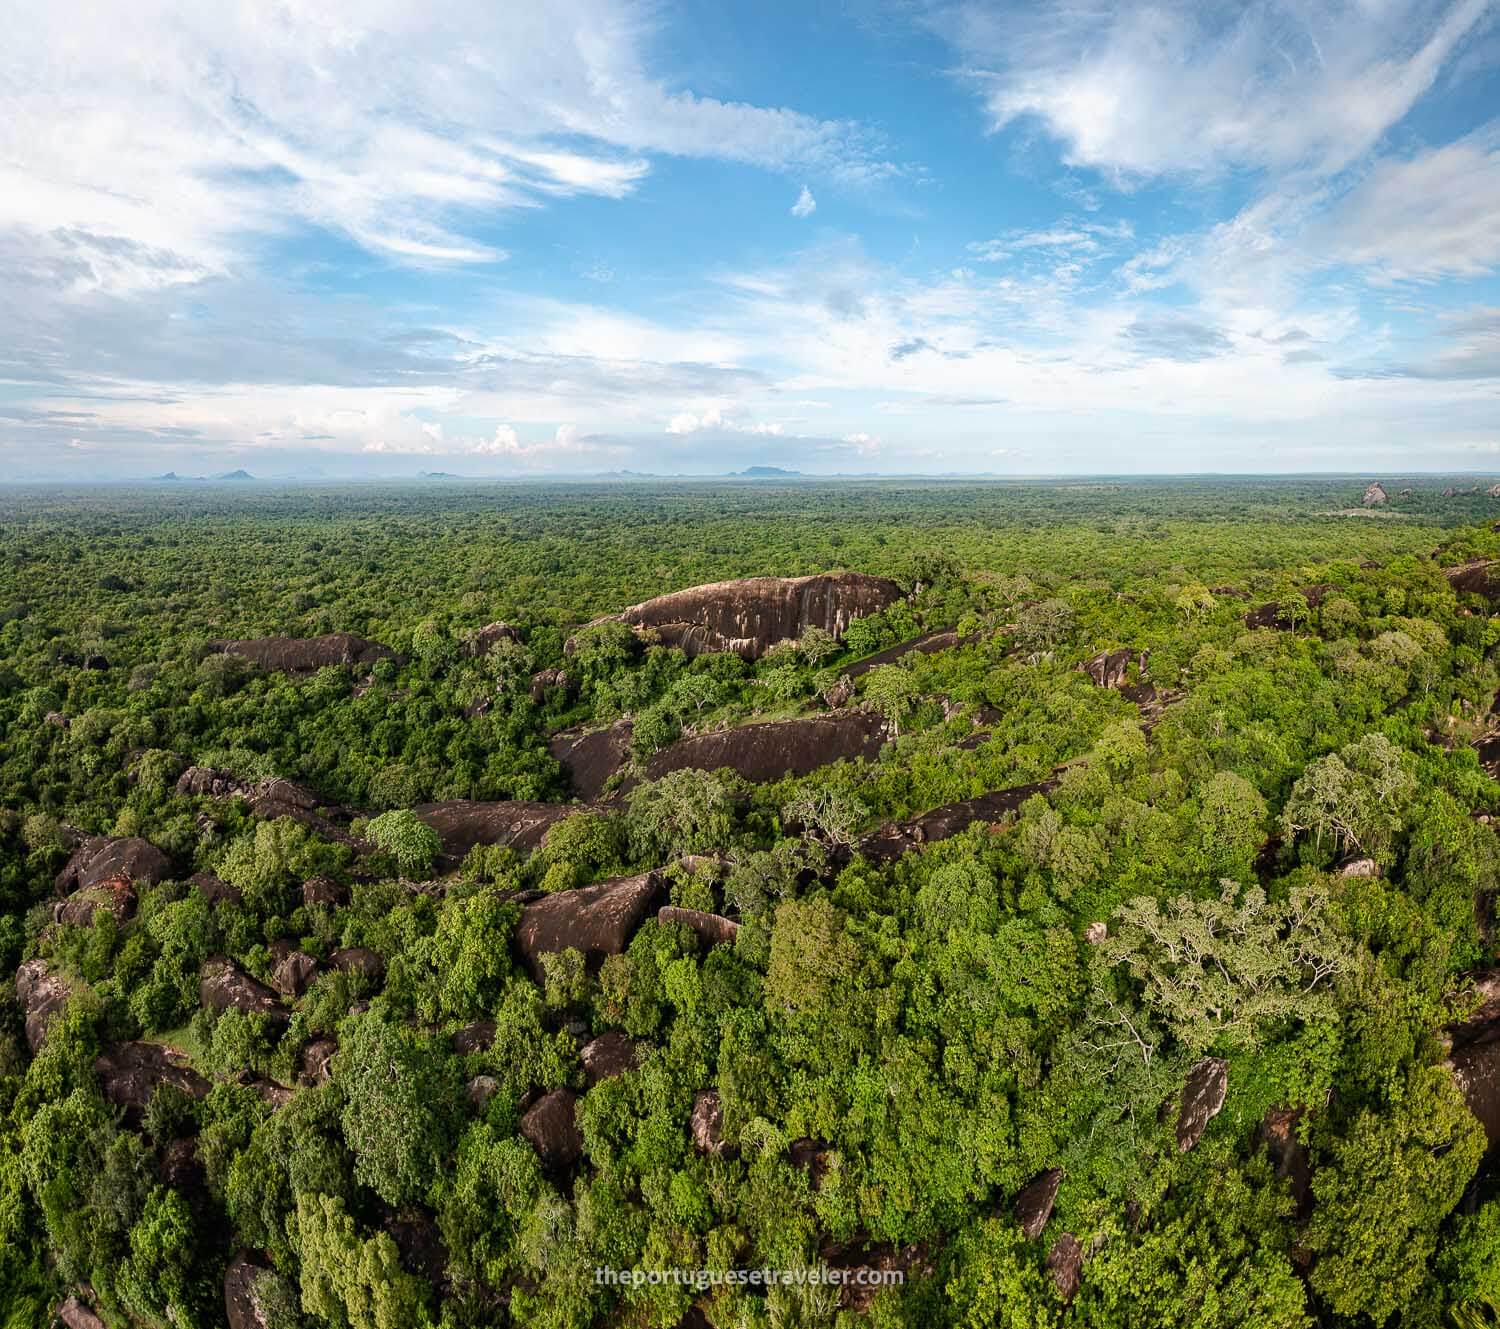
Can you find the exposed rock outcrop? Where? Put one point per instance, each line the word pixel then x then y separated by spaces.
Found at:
pixel 1269 615
pixel 714 929
pixel 607 1056
pixel 1374 496
pixel 461 823
pixel 41 996
pixel 1475 1057
pixel 293 973
pixel 475 1037
pixel 78 1314
pixel 1202 1097
pixel 360 960
pixel 773 750
pixel 707 1124
pixel 549 1128
pixel 1065 1264
pixel 1278 1132
pixel 214 890
pixel 598 920
pixel 1479 576
pixel 223 985
pixel 114 896
pixel 889 842
pixel 591 756
pixel 324 892
pixel 129 1073
pixel 1110 669
pixel 242 1303
pixel 305 655
pixel 858 1293
pixel 552 680
pixel 750 616
pixel 103 858
pixel 268 799
pixel 929 643
pixel 480 1090
pixel 480 640
pixel 1034 1203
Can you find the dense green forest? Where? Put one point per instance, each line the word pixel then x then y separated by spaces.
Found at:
pixel 1093 926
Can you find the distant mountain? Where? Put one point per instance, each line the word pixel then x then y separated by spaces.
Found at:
pixel 763 473
pixel 439 475
pixel 234 475
pixel 170 475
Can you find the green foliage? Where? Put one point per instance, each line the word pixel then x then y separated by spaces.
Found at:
pixel 406 838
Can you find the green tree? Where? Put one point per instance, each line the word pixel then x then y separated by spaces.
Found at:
pixel 408 839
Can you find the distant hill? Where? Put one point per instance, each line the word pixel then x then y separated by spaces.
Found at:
pixel 763 473
pixel 440 475
pixel 234 475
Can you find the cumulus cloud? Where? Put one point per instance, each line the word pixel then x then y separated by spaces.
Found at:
pixel 714 421
pixel 805 205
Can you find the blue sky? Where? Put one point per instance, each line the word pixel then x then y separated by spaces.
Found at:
pixel 375 238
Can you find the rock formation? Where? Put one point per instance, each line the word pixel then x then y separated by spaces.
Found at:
pixel 764 752
pixel 293 973
pixel 78 1314
pixel 1034 1203
pixel 607 1056
pixel 750 616
pixel 305 655
pixel 359 960
pixel 461 824
pixel 1278 1132
pixel 242 1303
pixel 223 985
pixel 1374 496
pixel 1108 669
pixel 714 929
pixel 707 1124
pixel 1475 1057
pixel 103 858
pixel 590 757
pixel 1476 577
pixel 928 644
pixel 475 1037
pixel 1202 1097
pixel 552 680
pixel 1269 615
pixel 549 1128
pixel 213 890
pixel 41 996
pixel 480 640
pixel 129 1073
pixel 598 920
pixel 1065 1264
pixel 887 843
pixel 114 896
pixel 316 1061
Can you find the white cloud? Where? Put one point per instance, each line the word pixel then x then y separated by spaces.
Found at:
pixel 714 421
pixel 805 205
pixel 1142 89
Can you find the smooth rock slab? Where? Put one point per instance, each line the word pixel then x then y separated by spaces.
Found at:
pixel 1202 1097
pixel 607 1056
pixel 598 920
pixel 549 1128
pixel 1034 1203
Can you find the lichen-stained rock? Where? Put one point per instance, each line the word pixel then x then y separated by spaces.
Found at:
pixel 1110 669
pixel 1474 1061
pixel 129 1073
pixel 293 973
pixel 549 1128
pixel 749 617
pixel 607 1056
pixel 305 655
pixel 773 750
pixel 480 1090
pixel 590 757
pixel 78 1314
pixel 1034 1203
pixel 1065 1264
pixel 242 1304
pixel 476 1037
pixel 103 858
pixel 359 960
pixel 887 843
pixel 114 896
pixel 1202 1097
pixel 214 890
pixel 714 929
pixel 598 920
pixel 324 892
pixel 707 1124
pixel 1374 495
pixel 223 985
pixel 461 823
pixel 480 640
pixel 552 680
pixel 41 996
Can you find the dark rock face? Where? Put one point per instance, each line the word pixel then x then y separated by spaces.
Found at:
pixel 1202 1097
pixel 1034 1203
pixel 480 1090
pixel 462 824
pixel 476 1037
pixel 549 1128
pixel 552 680
pixel 1476 577
pixel 1269 615
pixel 181 1168
pixel 130 1072
pixel 591 757
pixel 811 1156
pixel 910 1260
pixel 1109 669
pixel 273 1095
pixel 78 1314
pixel 268 799
pixel 114 896
pixel 607 1056
pixel 305 655
pixel 222 984
pixel 707 1124
pixel 764 752
pixel 214 890
pixel 714 929
pixel 324 892
pixel 295 971
pixel 750 616
pixel 242 1308
pixel 41 996
pixel 887 843
pixel 362 961
pixel 420 1246
pixel 1278 1132
pixel 1475 1059
pixel 928 644
pixel 598 920
pixel 102 858
pixel 317 1061
pixel 1065 1263
pixel 480 641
